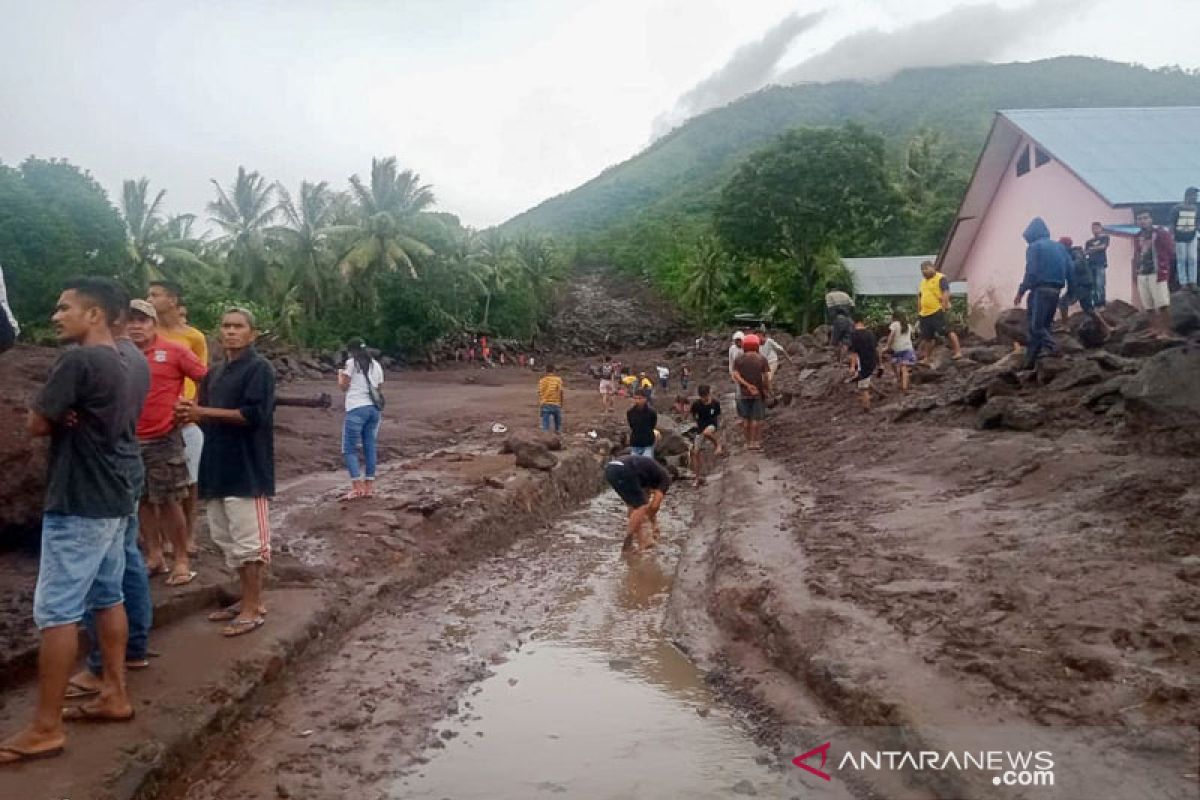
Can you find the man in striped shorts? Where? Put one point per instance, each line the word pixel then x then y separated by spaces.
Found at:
pixel 235 409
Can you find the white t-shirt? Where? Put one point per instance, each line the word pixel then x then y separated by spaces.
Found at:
pixel 734 351
pixel 901 341
pixel 772 350
pixel 663 373
pixel 358 395
pixel 4 307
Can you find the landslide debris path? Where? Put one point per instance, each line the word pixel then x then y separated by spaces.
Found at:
pixel 542 671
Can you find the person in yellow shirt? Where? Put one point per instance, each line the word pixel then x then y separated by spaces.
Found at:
pixel 550 398
pixel 628 382
pixel 933 310
pixel 167 299
pixel 646 385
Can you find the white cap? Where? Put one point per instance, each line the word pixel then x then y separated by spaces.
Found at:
pixel 739 335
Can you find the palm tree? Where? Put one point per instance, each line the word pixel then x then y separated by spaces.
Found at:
pixel 494 268
pixel 156 247
pixel 707 275
pixel 383 242
pixel 243 215
pixel 307 233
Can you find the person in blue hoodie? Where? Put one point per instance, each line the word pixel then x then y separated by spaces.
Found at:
pixel 1046 266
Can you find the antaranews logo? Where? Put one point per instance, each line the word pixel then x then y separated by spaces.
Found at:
pixel 1010 767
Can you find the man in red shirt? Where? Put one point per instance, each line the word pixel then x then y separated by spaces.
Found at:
pixel 167 481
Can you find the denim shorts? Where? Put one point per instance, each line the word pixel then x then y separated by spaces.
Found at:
pixel 82 568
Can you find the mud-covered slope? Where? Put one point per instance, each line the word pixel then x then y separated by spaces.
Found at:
pixel 604 311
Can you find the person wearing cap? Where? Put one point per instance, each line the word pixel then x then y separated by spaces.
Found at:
pixel 752 373
pixel 361 379
pixel 235 407
pixel 1183 225
pixel 643 484
pixel 167 482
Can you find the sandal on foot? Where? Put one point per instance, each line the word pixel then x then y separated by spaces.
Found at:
pixel 240 627
pixel 89 714
pixel 161 569
pixel 181 578
pixel 15 755
pixel 226 614
pixel 135 664
pixel 77 691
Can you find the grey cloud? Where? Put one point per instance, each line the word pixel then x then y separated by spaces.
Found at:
pixel 749 69
pixel 964 34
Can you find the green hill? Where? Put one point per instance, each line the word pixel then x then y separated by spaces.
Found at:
pixel 681 172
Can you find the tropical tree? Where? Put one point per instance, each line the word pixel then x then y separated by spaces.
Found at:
pixel 157 247
pixel 384 242
pixel 933 178
pixel 307 237
pixel 243 214
pixel 707 274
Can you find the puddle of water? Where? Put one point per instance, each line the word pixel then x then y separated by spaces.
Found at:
pixel 598 703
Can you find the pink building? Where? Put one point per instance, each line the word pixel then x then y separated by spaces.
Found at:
pixel 1071 167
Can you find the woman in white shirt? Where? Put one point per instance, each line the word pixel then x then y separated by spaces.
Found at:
pixel 361 380
pixel 900 342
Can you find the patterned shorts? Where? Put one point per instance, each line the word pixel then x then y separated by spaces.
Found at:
pixel 166 470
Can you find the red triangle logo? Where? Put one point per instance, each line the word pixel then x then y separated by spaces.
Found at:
pixel 823 751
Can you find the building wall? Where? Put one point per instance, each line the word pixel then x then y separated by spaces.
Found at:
pixel 995 264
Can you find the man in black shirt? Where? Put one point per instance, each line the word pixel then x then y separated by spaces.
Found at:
pixel 1096 251
pixel 643 419
pixel 864 358
pixel 1183 225
pixel 87 408
pixel 707 412
pixel 642 483
pixel 236 408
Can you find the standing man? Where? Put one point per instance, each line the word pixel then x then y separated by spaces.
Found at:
pixel 608 383
pixel 864 358
pixel 1096 251
pixel 642 419
pixel 1152 253
pixel 236 407
pixel 167 484
pixel 707 413
pixel 933 311
pixel 550 399
pixel 772 351
pixel 86 408
pixel 837 302
pixel 753 376
pixel 9 329
pixel 664 377
pixel 642 483
pixel 1183 224
pixel 167 299
pixel 1046 267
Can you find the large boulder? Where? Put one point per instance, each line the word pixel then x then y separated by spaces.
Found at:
pixel 1078 373
pixel 1011 413
pixel 532 448
pixel 1119 310
pixel 1166 390
pixel 671 443
pixel 1185 312
pixel 1090 333
pixel 1012 325
pixel 1139 344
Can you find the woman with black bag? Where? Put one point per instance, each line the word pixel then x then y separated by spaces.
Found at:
pixel 361 379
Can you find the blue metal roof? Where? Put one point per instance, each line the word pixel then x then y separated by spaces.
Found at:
pixel 891 276
pixel 1128 155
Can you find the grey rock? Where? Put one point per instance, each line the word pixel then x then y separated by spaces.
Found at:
pixel 1012 325
pixel 1079 373
pixel 1011 413
pixel 1106 393
pixel 1166 390
pixel 1185 312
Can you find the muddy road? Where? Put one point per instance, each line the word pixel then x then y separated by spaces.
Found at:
pixel 543 671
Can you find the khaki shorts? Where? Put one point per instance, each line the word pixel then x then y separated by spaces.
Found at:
pixel 241 527
pixel 1153 293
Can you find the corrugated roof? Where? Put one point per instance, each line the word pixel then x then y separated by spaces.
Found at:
pixel 891 276
pixel 1128 155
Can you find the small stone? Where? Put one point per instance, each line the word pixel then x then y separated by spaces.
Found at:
pixel 744 787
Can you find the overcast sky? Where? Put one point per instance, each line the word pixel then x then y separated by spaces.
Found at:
pixel 497 103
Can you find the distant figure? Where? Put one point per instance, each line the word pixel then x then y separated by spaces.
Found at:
pixel 773 351
pixel 362 381
pixel 550 399
pixel 1096 251
pixel 753 376
pixel 681 406
pixel 643 420
pixel 608 383
pixel 646 385
pixel 532 365
pixel 1183 224
pixel 707 413
pixel 839 331
pixel 837 303
pixel 1080 288
pixel 1153 249
pixel 735 352
pixel 9 329
pixel 685 376
pixel 864 357
pixel 1046 266
pixel 642 483
pixel 664 377
pixel 900 342
pixel 933 311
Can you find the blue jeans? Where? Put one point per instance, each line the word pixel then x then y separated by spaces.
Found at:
pixel 1185 261
pixel 551 411
pixel 648 452
pixel 361 427
pixel 1043 302
pixel 138 607
pixel 81 568
pixel 1099 273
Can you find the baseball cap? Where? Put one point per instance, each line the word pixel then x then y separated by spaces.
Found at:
pixel 143 307
pixel 750 343
pixel 739 335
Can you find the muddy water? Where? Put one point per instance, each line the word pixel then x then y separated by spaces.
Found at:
pixel 595 701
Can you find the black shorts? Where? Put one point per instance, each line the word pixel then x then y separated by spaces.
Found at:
pixel 934 325
pixel 626 485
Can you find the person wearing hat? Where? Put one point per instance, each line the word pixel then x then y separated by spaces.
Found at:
pixel 752 373
pixel 1183 225
pixel 167 483
pixel 361 380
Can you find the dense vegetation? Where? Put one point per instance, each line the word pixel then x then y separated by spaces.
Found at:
pixel 318 266
pixel 654 215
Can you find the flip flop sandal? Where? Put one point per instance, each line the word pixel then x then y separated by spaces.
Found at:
pixel 19 756
pixel 136 664
pixel 226 614
pixel 181 578
pixel 77 691
pixel 85 714
pixel 241 627
pixel 159 570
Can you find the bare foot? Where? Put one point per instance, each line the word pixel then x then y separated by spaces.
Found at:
pixel 28 744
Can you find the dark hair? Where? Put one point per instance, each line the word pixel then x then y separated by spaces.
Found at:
pixel 172 288
pixel 704 389
pixel 358 351
pixel 608 358
pixel 642 393
pixel 245 312
pixel 900 317
pixel 103 292
pixel 1101 224
pixel 857 316
pixel 549 367
pixel 925 264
